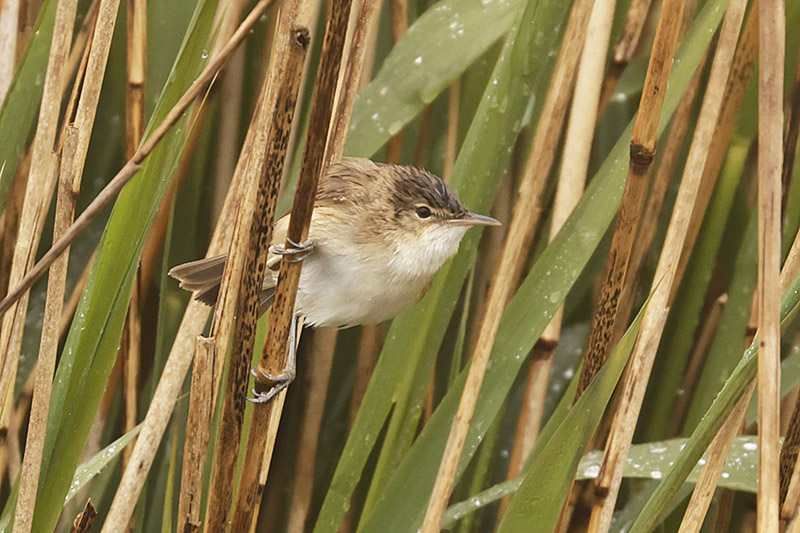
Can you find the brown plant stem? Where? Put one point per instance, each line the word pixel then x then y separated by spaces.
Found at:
pixel 637 374
pixel 509 268
pixel 624 49
pixel 181 354
pixel 772 29
pixel 198 423
pixel 251 240
pixel 572 177
pixel 323 349
pixel 266 416
pixel 75 147
pixel 643 144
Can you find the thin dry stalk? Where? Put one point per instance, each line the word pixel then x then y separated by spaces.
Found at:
pixel 790 474
pixel 637 374
pixel 9 20
pixel 135 91
pixel 266 416
pixel 76 145
pixel 652 211
pixel 133 165
pixel 10 217
pixel 368 349
pixel 718 452
pixel 451 143
pixel 39 189
pixel 356 54
pixel 643 144
pixel 324 346
pixel 624 49
pixel 696 363
pixel 398 17
pixel 228 142
pixel 131 354
pixel 248 254
pixel 422 139
pixel 48 348
pixel 194 319
pixel 792 131
pixel 227 153
pixel 572 177
pixel 325 341
pixel 197 433
pixel 130 351
pixel 772 29
pixel 85 519
pixel 514 253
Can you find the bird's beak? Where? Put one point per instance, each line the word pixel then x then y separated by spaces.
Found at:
pixel 472 219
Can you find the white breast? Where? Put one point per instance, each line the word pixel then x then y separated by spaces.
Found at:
pixel 371 286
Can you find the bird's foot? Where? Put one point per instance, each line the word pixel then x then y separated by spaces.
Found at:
pixel 297 252
pixel 272 384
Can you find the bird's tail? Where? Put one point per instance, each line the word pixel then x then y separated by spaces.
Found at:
pixel 203 278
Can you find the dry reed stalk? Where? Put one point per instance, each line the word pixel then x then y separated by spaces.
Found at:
pixel 192 324
pixel 572 177
pixel 68 190
pixel 324 342
pixel 48 348
pixel 422 140
pixel 266 416
pixel 790 474
pixel 696 362
pixel 792 131
pixel 625 48
pixel 227 150
pixel 10 217
pixel 13 451
pixel 351 74
pixel 227 153
pixel 740 73
pixel 9 20
pixel 772 30
pixel 79 52
pixel 648 224
pixel 130 348
pixel 322 351
pixel 451 142
pixel 198 423
pixel 720 447
pixel 76 145
pixel 509 268
pixel 135 90
pixel 133 165
pixel 41 181
pixel 369 347
pixel 85 519
pixel 637 374
pixel 398 17
pixel 237 306
pixel 643 144
pixel 718 452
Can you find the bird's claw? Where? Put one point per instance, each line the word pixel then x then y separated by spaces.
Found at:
pixel 273 383
pixel 297 252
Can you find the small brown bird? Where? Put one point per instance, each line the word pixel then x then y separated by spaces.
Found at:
pixel 378 235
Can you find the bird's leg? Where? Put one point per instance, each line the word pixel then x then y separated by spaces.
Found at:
pixel 297 252
pixel 277 383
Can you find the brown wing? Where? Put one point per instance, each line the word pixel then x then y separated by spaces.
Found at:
pixel 203 277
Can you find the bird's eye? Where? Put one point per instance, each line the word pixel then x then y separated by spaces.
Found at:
pixel 423 211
